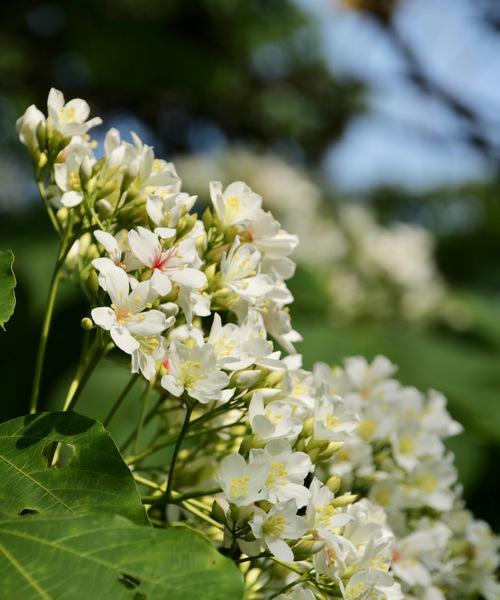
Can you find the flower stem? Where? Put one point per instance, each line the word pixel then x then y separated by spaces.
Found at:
pixel 47 320
pixel 120 400
pixel 50 210
pixel 182 433
pixel 83 373
pixel 144 408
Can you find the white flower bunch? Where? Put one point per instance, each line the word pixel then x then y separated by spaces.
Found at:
pixel 323 484
pixel 396 457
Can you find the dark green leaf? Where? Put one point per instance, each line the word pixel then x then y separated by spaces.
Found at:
pixel 68 557
pixel 85 474
pixel 7 285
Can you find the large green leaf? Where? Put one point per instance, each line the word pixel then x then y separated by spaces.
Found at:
pixel 69 557
pixel 86 473
pixel 7 285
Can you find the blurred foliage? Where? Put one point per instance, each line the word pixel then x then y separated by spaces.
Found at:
pixel 251 68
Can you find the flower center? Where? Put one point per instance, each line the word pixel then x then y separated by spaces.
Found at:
pixel 232 206
pixel 67 114
pixel 277 471
pixel 239 487
pixel 190 373
pixel 274 526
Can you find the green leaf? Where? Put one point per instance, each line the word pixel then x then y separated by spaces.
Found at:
pixel 69 557
pixel 87 473
pixel 7 285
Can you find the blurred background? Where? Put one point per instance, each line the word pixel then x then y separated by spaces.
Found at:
pixel 371 128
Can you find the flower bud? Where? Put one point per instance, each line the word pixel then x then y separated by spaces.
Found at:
pixel 330 450
pixel 87 323
pixel 85 171
pixel 308 427
pixel 171 309
pixel 218 513
pixel 344 500
pixel 104 208
pixel 274 378
pixel 333 483
pixel 93 282
pixel 42 160
pixel 306 548
pixel 246 378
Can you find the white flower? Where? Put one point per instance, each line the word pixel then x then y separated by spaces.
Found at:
pixel 166 211
pixel 436 419
pixel 69 118
pixel 127 319
pixel 298 592
pixel 274 421
pixel 240 347
pixel 193 302
pixel 239 272
pixel 273 243
pixel 279 325
pixel 119 254
pixel 241 483
pixel 67 175
pixel 321 514
pixel 151 353
pixel 286 472
pixel 194 370
pixel 153 176
pixel 279 524
pixel 431 484
pixel 411 444
pixel 175 264
pixel 27 126
pixel 372 584
pixel 418 553
pixel 332 419
pixel 237 205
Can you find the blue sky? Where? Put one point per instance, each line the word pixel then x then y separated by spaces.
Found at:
pixel 408 138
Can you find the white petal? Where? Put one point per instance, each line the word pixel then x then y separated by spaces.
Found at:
pixel 123 339
pixel 172 385
pixel 144 246
pixel 117 285
pixel 165 232
pixel 109 242
pixel 70 199
pixel 161 283
pixel 104 317
pixel 280 549
pixel 189 277
pixel 147 323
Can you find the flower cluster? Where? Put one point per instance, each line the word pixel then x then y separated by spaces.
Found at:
pixel 396 457
pixel 319 484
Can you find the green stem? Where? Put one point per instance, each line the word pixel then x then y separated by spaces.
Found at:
pixel 144 408
pixel 183 431
pixel 83 373
pixel 301 579
pixel 148 418
pixel 50 210
pixel 201 494
pixel 120 400
pixel 134 458
pixel 47 320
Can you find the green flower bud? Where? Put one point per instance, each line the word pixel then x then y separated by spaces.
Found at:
pixel 344 500
pixel 218 513
pixel 87 323
pixel 333 483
